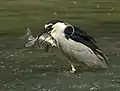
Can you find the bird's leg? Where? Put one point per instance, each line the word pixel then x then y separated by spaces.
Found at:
pixel 73 69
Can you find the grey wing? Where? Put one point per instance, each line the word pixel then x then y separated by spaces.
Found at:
pixel 82 37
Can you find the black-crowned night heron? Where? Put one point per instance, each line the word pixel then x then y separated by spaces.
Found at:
pixel 79 47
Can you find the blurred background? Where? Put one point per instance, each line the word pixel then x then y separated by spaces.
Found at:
pixel 32 69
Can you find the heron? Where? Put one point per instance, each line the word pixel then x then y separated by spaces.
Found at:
pixel 77 45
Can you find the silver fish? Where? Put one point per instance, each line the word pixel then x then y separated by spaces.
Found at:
pixel 41 39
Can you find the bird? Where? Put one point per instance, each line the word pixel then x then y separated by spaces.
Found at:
pixel 77 45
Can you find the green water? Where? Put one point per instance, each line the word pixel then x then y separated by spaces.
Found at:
pixel 32 69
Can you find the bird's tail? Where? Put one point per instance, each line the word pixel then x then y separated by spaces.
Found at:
pixel 102 56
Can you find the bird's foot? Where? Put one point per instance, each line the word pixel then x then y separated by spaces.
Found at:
pixel 73 69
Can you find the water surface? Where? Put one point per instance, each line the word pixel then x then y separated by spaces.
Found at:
pixel 32 69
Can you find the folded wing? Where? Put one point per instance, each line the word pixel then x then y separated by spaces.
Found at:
pixel 81 36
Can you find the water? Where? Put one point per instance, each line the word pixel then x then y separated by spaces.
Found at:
pixel 32 69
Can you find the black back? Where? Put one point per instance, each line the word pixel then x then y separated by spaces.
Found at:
pixel 81 36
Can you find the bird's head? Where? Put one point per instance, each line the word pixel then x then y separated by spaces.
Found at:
pixel 56 30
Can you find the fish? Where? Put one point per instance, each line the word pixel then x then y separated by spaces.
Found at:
pixel 41 39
